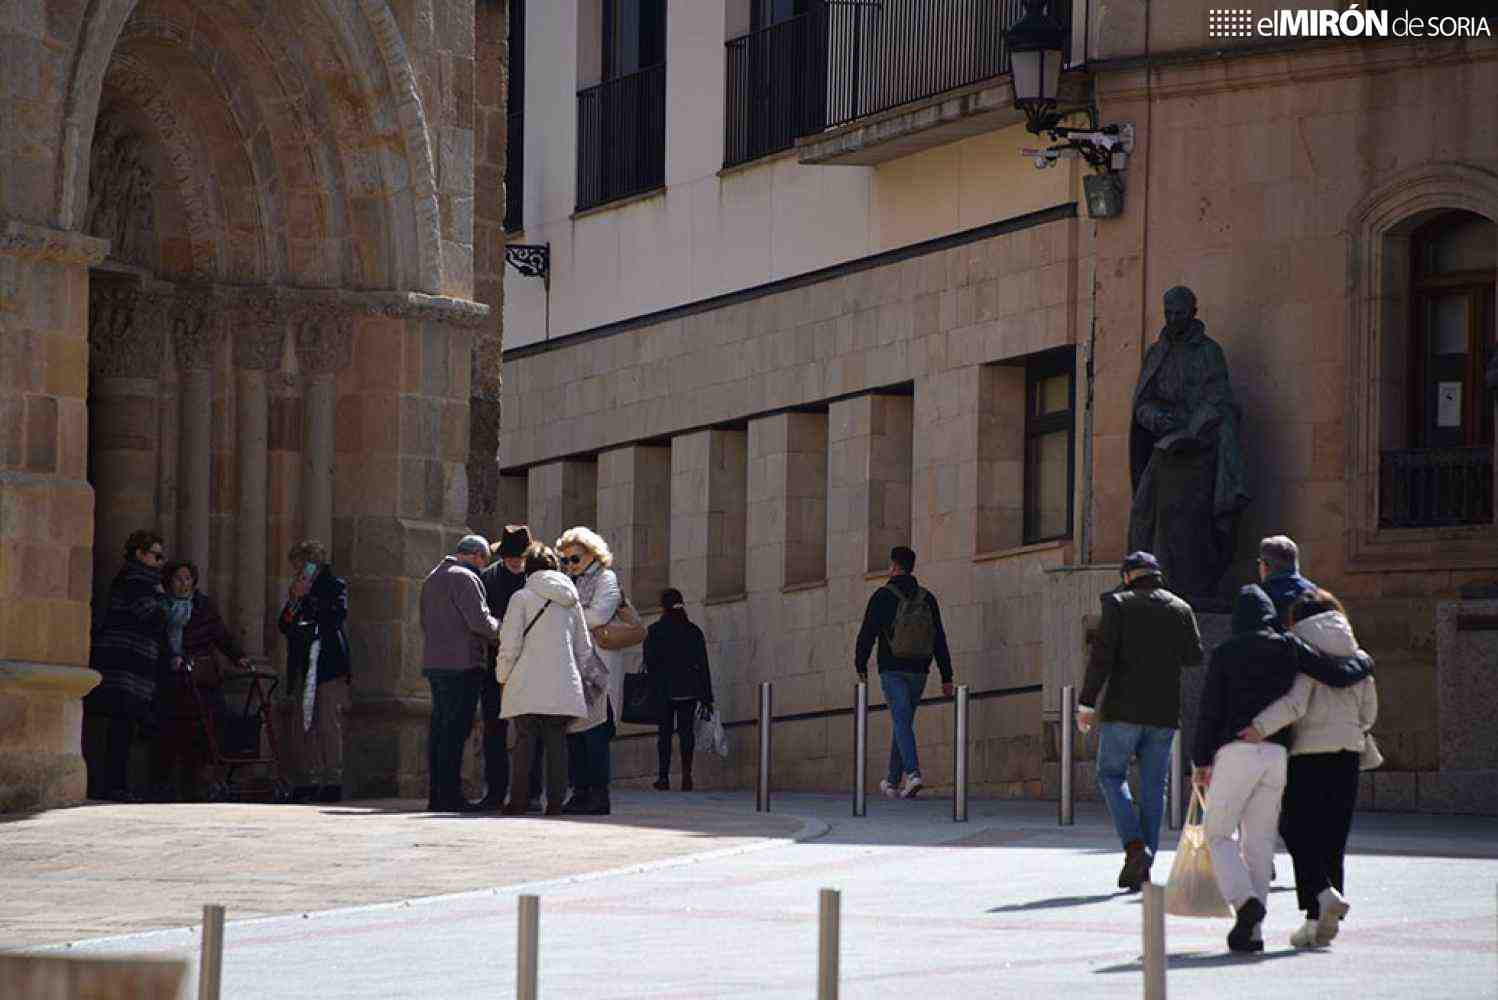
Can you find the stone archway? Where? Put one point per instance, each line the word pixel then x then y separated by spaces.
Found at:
pixel 235 305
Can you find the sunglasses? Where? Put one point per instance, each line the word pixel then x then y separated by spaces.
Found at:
pixel 571 560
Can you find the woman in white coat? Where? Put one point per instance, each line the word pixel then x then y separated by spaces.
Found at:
pixel 586 558
pixel 544 649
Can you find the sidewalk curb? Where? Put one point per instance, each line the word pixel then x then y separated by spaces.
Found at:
pixel 812 828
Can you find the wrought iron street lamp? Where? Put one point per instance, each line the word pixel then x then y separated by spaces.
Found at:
pixel 1037 45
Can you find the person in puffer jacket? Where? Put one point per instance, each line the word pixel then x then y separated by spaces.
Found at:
pixel 1330 726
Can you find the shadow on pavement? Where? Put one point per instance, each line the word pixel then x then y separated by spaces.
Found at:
pixel 1059 902
pixel 1201 960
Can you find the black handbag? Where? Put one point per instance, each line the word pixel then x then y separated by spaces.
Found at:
pixel 644 701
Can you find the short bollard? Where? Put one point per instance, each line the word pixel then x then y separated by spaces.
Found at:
pixel 1177 777
pixel 527 946
pixel 860 748
pixel 1068 751
pixel 960 756
pixel 211 959
pixel 762 786
pixel 1154 941
pixel 828 944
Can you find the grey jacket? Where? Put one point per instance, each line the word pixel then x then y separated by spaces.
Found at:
pixel 456 624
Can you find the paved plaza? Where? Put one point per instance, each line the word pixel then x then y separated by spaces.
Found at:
pixel 719 902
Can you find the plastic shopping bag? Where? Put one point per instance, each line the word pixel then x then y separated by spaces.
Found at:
pixel 1192 890
pixel 710 732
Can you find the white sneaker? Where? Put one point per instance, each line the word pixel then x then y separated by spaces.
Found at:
pixel 1305 936
pixel 1333 909
pixel 890 791
pixel 911 786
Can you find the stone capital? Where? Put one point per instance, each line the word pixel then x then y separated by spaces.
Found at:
pixel 196 328
pixel 324 339
pixel 22 239
pixel 258 329
pixel 124 333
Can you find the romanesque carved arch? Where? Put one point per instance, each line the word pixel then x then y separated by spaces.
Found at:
pixel 419 268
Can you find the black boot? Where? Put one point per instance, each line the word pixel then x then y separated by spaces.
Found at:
pixel 581 803
pixel 600 804
pixel 686 772
pixel 663 783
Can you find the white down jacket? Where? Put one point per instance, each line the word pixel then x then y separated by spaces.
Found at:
pixel 540 672
pixel 1326 719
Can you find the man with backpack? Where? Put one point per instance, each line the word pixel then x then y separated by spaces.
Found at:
pixel 904 620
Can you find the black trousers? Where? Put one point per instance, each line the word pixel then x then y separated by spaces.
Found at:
pixel 681 716
pixel 496 733
pixel 1315 819
pixel 532 732
pixel 106 753
pixel 455 697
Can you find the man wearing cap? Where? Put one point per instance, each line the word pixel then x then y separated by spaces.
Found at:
pixel 456 630
pixel 501 579
pixel 1147 635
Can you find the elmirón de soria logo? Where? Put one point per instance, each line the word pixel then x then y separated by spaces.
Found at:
pixel 1354 22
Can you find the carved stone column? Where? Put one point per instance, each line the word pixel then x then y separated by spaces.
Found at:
pixel 125 354
pixel 259 334
pixel 196 329
pixel 324 346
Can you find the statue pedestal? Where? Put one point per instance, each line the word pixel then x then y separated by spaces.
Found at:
pixel 1466 665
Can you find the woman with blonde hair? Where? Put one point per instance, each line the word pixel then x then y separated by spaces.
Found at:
pixel 586 558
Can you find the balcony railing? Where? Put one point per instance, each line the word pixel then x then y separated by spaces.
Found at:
pixel 906 50
pixel 514 171
pixel 777 86
pixel 1436 487
pixel 621 137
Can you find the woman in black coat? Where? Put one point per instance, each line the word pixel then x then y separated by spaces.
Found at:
pixel 126 652
pixel 676 659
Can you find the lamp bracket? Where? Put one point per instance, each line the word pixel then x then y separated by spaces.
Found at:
pixel 1106 148
pixel 530 259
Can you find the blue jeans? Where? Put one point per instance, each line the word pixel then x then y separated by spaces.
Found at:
pixel 1151 744
pixel 902 691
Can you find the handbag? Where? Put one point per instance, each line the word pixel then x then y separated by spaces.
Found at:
pixel 644 700
pixel 710 732
pixel 1192 890
pixel 621 631
pixel 1370 758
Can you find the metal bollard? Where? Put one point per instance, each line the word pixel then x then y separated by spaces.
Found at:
pixel 1068 751
pixel 527 946
pixel 762 786
pixel 211 959
pixel 1154 941
pixel 860 748
pixel 828 945
pixel 1177 777
pixel 959 756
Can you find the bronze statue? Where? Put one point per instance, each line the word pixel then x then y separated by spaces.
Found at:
pixel 1184 456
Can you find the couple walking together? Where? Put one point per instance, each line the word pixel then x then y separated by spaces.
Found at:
pixel 1284 717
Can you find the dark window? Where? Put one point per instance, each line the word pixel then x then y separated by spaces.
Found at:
pixel 515 121
pixel 621 122
pixel 777 79
pixel 1445 475
pixel 1050 442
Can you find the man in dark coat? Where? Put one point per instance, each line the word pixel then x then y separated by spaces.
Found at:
pixel 1147 636
pixel 676 660
pixel 502 578
pixel 312 619
pixel 903 614
pixel 126 652
pixel 1185 460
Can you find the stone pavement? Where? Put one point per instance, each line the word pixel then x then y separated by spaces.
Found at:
pixel 1005 905
pixel 104 869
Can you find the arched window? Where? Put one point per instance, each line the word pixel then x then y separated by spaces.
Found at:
pixel 1440 469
